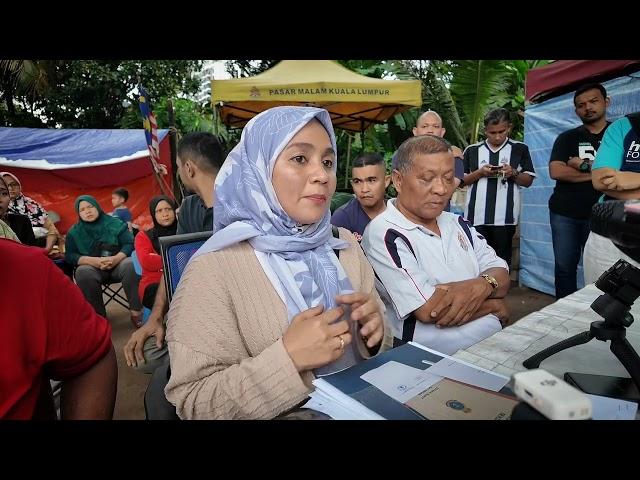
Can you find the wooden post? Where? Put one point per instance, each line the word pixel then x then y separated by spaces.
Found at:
pixel 177 192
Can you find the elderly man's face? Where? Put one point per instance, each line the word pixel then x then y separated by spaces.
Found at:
pixel 424 190
pixel 429 124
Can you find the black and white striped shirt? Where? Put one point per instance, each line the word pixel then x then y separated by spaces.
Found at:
pixel 490 201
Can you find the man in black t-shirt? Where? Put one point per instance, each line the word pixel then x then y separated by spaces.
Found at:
pixel 573 196
pixel 194 215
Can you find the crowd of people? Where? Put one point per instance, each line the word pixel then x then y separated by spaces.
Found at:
pixel 267 302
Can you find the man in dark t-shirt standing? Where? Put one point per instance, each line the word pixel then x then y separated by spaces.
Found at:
pixel 369 180
pixel 194 216
pixel 573 196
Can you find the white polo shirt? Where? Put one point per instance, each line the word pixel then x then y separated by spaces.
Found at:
pixel 410 260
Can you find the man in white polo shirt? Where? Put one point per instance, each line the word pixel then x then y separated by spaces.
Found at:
pixel 441 282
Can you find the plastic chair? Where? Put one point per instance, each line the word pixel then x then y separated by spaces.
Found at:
pixel 138 269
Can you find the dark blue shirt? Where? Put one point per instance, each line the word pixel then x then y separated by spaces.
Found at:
pixel 352 217
pixel 122 213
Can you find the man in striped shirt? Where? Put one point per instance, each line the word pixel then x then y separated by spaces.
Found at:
pixel 496 169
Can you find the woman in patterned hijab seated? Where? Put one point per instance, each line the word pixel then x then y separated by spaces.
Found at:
pixel 257 313
pixel 19 225
pixel 45 232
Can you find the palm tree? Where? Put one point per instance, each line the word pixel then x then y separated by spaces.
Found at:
pixel 24 81
pixel 478 86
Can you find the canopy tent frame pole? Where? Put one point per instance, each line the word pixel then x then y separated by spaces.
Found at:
pixel 336 118
pixel 346 171
pixel 177 192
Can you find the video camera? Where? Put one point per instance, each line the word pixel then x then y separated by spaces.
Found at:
pixel 619 220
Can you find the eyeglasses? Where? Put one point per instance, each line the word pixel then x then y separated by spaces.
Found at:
pixel 13 185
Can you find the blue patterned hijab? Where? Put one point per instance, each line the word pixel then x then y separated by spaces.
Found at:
pixel 246 208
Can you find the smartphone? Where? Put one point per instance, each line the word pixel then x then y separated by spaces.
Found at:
pixel 495 167
pixel 603 385
pixel 353 354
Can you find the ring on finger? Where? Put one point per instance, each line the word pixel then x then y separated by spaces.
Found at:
pixel 341 342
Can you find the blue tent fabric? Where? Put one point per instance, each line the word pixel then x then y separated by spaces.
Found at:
pixel 70 148
pixel 543 123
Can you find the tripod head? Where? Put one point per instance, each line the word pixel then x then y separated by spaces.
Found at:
pixel 621 287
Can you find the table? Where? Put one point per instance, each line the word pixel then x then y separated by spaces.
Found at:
pixel 505 351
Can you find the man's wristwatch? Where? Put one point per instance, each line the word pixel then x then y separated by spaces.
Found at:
pixel 585 166
pixel 491 281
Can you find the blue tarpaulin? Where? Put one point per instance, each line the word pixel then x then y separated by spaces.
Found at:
pixel 54 148
pixel 543 123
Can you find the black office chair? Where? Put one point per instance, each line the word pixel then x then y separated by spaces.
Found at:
pixel 176 250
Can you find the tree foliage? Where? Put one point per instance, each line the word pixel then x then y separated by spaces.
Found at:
pixel 248 68
pixel 101 94
pixel 88 93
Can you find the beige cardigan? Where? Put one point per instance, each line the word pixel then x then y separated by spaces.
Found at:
pixel 224 333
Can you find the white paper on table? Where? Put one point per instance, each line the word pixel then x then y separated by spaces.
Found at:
pixel 331 395
pixel 341 411
pixel 450 368
pixel 401 382
pixel 333 409
pixel 606 408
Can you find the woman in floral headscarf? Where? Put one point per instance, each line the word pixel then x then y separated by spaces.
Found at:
pixel 20 204
pixel 257 313
pixel 18 224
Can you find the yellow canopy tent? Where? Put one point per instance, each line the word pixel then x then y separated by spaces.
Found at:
pixel 354 101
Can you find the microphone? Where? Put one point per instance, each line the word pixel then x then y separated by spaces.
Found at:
pixel 619 220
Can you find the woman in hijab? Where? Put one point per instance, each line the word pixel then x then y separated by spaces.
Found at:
pixel 45 232
pixel 163 214
pixel 266 304
pixel 100 245
pixel 19 224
